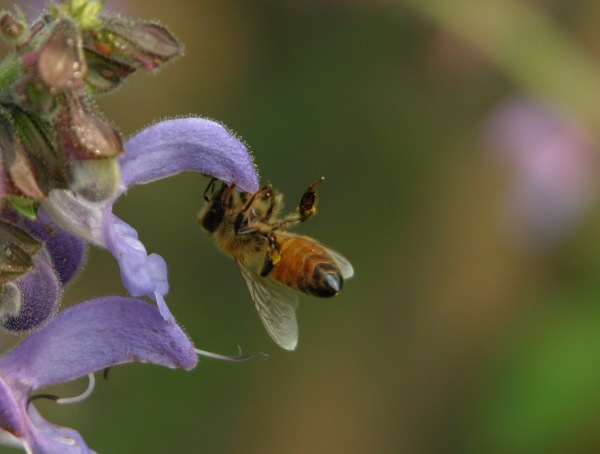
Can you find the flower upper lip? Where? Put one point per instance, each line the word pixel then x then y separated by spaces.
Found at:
pixel 159 151
pixel 67 221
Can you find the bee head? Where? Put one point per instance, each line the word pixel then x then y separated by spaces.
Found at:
pixel 214 211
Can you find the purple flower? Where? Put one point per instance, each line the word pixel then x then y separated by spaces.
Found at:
pixel 159 151
pixel 552 165
pixel 35 296
pixel 82 339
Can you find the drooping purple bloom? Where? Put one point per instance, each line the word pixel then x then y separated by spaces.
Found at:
pixel 187 144
pixel 159 151
pixel 66 251
pixel 30 300
pixel 82 339
pixel 552 166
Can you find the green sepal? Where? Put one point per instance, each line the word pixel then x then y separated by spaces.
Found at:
pixel 25 206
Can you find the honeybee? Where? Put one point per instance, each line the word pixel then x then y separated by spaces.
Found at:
pixel 275 263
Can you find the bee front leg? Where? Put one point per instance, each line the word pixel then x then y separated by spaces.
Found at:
pixel 210 188
pixel 247 216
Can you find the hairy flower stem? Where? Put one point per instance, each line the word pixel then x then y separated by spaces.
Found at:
pixel 10 70
pixel 526 45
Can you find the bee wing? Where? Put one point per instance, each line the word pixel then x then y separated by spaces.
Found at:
pixel 276 305
pixel 342 262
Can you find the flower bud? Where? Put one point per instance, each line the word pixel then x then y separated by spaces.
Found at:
pixel 60 61
pixel 152 44
pixel 24 174
pixel 82 134
pixel 13 29
pixel 17 248
pixel 86 13
pixel 34 159
pixel 133 43
pixel 15 235
pixel 104 74
pixel 14 262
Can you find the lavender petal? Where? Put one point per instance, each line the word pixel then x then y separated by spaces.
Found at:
pixel 187 144
pixel 66 251
pixel 94 335
pixel 53 439
pixel 142 274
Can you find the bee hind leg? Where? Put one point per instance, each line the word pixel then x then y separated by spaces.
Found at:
pixel 306 208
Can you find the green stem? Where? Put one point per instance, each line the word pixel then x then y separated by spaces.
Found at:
pixel 526 45
pixel 10 71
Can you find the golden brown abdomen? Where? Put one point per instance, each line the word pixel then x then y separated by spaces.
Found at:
pixel 306 266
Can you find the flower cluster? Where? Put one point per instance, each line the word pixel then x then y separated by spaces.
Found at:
pixel 62 168
pixel 552 168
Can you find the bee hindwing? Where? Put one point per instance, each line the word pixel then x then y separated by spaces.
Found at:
pixel 342 262
pixel 276 305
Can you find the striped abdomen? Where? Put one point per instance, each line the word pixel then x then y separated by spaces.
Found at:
pixel 306 266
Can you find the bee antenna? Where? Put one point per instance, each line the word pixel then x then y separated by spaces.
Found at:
pixel 209 188
pixel 237 358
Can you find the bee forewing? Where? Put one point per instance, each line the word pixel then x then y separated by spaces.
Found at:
pixel 276 305
pixel 342 262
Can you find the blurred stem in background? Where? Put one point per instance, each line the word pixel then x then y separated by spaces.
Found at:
pixel 527 46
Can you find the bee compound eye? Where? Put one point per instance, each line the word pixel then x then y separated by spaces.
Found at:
pixel 213 218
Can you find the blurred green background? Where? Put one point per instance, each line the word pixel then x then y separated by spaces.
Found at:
pixel 453 336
